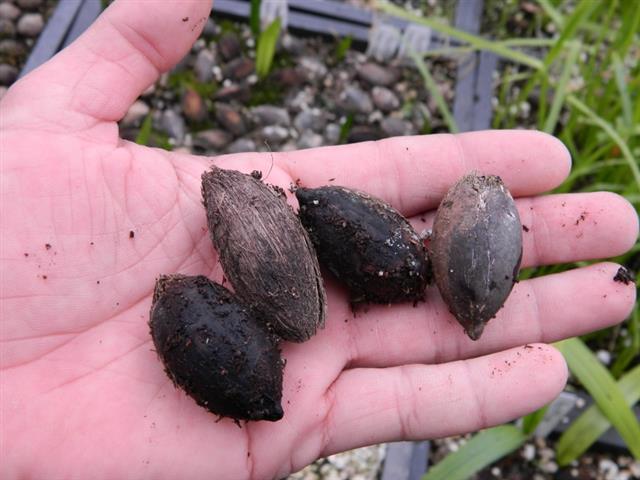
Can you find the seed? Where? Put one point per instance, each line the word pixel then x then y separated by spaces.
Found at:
pixel 265 252
pixel 215 349
pixel 365 243
pixel 476 249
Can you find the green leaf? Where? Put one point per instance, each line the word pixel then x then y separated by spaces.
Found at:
pixel 604 390
pixel 483 449
pixel 254 17
pixel 561 88
pixel 434 91
pixel 345 128
pixel 530 422
pixel 343 47
pixel 145 131
pixel 551 11
pixel 589 426
pixel 267 48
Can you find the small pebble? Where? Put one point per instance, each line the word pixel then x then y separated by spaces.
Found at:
pixel 7 28
pixel 275 133
pixel 9 11
pixel 376 74
pixel 230 119
pixel 385 99
pixel 604 356
pixel 136 113
pixel 271 115
pixel 30 24
pixel 215 139
pixel 242 145
pixel 355 100
pixel 310 119
pixel 8 74
pixel 310 139
pixel 204 64
pixel 173 125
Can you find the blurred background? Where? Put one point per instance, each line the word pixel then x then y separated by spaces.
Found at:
pixel 284 75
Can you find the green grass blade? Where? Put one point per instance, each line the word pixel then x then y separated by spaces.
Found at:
pixel 611 132
pixel 604 390
pixel 552 12
pixel 345 128
pixel 630 352
pixel 343 46
pixel 589 426
pixel 561 88
pixel 483 449
pixel 621 83
pixel 479 43
pixel 254 17
pixel 530 422
pixel 434 91
pixel 629 30
pixel 267 48
pixel 579 16
pixel 145 131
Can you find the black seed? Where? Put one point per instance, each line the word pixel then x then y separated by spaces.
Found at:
pixel 476 249
pixel 365 243
pixel 215 350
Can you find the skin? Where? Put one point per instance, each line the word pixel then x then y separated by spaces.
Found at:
pixel 83 392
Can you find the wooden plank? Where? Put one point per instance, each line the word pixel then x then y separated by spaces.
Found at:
pixel 333 8
pixel 325 26
pixel 483 109
pixel 329 17
pixel 51 38
pixel 472 108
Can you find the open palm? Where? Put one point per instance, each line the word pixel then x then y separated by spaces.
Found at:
pixel 89 221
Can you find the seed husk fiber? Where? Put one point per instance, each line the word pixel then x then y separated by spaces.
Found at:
pixel 476 249
pixel 365 243
pixel 215 350
pixel 265 252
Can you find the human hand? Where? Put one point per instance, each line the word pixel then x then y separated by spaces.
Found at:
pixel 82 393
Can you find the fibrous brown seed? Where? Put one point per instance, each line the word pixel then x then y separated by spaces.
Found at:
pixel 215 350
pixel 365 243
pixel 475 249
pixel 265 252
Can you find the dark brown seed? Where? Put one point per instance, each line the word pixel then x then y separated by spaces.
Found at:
pixel 365 243
pixel 265 253
pixel 476 249
pixel 215 350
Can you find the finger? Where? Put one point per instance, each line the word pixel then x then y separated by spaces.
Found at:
pixel 413 173
pixel 544 309
pixel 570 228
pixel 414 402
pixel 124 51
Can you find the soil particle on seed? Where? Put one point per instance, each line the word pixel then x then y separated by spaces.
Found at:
pixel 131 234
pixel 47 246
pixel 525 228
pixel 215 349
pixel 265 252
pixel 624 275
pixel 365 243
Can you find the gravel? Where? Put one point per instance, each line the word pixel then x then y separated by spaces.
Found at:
pixel 30 24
